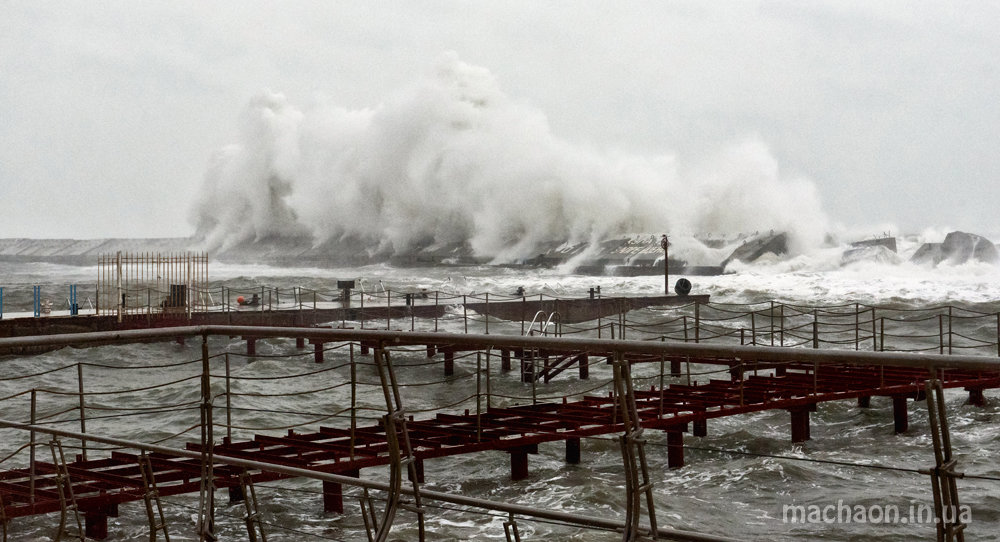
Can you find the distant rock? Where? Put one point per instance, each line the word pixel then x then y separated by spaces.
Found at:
pixel 753 249
pixel 958 248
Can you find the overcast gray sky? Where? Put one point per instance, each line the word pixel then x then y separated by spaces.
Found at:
pixel 110 111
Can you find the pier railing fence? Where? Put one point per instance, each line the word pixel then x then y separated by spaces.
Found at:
pixel 942 329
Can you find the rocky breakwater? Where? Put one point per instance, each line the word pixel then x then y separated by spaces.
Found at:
pixel 958 248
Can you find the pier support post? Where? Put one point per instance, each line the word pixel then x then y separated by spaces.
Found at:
pixel 300 342
pixel 675 447
pixel 364 349
pixel 449 362
pixel 505 360
pixel 317 351
pixel 900 418
pixel 333 494
pixel 976 397
pixel 701 428
pixel 519 461
pixel 800 424
pixel 95 521
pixel 236 495
pixel 251 346
pixel 675 367
pixel 418 464
pixel 573 450
pixel 584 361
pixel 431 351
pixel 864 401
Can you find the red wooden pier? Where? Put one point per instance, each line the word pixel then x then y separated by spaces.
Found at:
pixel 759 378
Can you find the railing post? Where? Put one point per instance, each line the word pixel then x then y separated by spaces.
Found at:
pixel 770 318
pixel 882 334
pixel 465 313
pixel 489 388
pixel 950 334
pixel 874 336
pixel 354 397
pixel 32 442
pixel 697 322
pixel 388 310
pixel 206 513
pixel 487 313
pixel 781 315
pixel 941 334
pixel 479 391
pixel 229 402
pixel 857 327
pixel 815 328
pixel 753 328
pixel 436 310
pixel 83 409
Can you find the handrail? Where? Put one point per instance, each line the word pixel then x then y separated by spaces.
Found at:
pixel 400 338
pixel 530 332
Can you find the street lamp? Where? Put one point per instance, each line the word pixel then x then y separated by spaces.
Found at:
pixel 665 243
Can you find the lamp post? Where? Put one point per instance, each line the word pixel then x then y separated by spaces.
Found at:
pixel 665 243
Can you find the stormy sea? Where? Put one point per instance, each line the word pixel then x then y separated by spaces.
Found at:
pixel 738 481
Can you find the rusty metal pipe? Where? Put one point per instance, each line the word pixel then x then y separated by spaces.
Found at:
pixel 745 353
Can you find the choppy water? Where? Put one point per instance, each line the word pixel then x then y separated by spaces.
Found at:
pixel 741 496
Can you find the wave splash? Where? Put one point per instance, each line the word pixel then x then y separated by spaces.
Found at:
pixel 452 159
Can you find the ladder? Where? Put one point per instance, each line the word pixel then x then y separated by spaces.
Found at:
pixel 637 481
pixel 152 496
pixel 64 486
pixel 252 517
pixel 401 454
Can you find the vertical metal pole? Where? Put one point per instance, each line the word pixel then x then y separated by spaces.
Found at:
pixel 941 334
pixel 697 322
pixel 83 409
pixel 857 327
pixel 815 328
pixel 487 313
pixel 874 337
pixel 206 515
pixel 118 265
pixel 229 402
pixel 465 313
pixel 33 442
pixel 388 310
pixel 770 317
pixel 882 334
pixel 781 315
pixel 665 243
pixel 950 334
pixel 354 396
pixel 479 392
pixel 753 328
pixel 436 310
pixel 489 390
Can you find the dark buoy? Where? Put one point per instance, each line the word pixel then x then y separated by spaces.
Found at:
pixel 682 287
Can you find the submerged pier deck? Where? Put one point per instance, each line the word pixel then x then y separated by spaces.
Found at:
pixel 388 309
pixel 752 379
